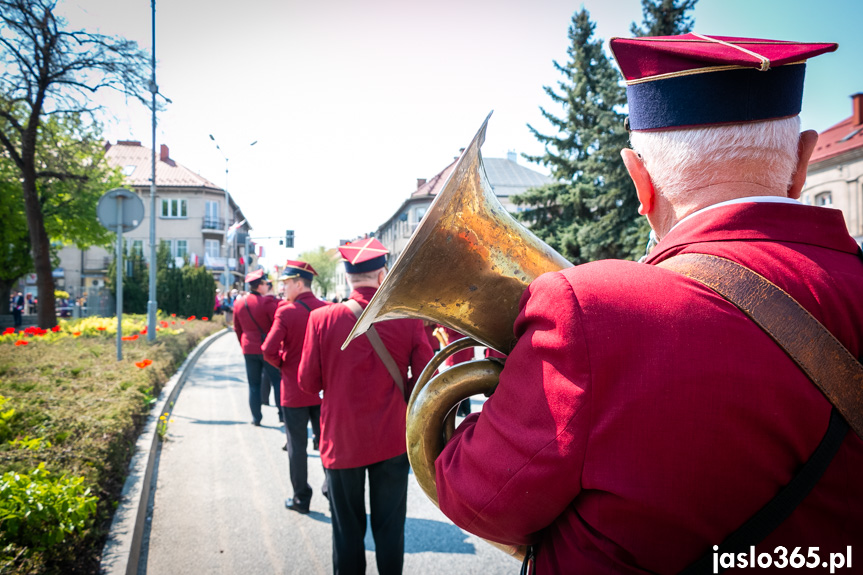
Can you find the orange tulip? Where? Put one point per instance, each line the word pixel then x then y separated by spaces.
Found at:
pixel 21 342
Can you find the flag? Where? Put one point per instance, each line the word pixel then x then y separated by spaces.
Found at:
pixel 259 249
pixel 232 231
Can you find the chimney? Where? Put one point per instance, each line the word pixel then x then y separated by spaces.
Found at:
pixel 163 153
pixel 421 182
pixel 857 107
pixel 512 156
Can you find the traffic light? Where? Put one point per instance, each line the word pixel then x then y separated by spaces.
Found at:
pixel 289 238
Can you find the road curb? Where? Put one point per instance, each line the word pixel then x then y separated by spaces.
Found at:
pixel 122 550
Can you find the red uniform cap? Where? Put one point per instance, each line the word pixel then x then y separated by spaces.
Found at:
pixel 696 80
pixel 297 268
pixel 255 275
pixel 364 255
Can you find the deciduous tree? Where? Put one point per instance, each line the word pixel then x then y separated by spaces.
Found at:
pixel 66 145
pixel 324 261
pixel 47 70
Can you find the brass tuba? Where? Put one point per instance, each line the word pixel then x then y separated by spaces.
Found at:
pixel 466 267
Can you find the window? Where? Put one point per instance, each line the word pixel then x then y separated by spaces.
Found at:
pixel 824 199
pixel 181 248
pixel 137 247
pixel 212 248
pixel 173 208
pixel 211 216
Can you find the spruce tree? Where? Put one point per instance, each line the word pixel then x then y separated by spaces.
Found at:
pixel 591 211
pixel 664 18
pixel 574 214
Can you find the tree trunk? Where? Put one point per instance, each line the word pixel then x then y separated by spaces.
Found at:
pixel 5 290
pixel 41 251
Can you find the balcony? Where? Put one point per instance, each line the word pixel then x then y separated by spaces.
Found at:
pixel 213 224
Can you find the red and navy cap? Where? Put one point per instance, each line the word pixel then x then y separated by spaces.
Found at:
pixel 254 276
pixel 297 268
pixel 696 80
pixel 364 255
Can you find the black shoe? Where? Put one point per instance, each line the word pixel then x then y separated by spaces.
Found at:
pixel 292 505
pixel 256 423
pixel 285 446
pixel 315 444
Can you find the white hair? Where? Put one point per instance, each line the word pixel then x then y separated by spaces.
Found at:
pixel 680 161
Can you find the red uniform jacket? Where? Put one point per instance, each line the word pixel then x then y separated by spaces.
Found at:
pixel 641 418
pixel 284 346
pixel 363 412
pixel 263 310
pixel 462 356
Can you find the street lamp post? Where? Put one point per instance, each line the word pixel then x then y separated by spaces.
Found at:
pixel 226 275
pixel 225 246
pixel 151 303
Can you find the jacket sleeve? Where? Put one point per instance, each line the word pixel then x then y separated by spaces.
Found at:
pixel 238 326
pixel 421 354
pixel 272 346
pixel 309 373
pixel 511 469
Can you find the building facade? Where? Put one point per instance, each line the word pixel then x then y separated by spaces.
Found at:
pixel 194 217
pixel 835 174
pixel 505 175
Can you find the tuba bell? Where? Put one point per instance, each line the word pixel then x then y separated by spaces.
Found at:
pixel 466 267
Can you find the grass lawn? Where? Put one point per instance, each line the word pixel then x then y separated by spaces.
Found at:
pixel 66 402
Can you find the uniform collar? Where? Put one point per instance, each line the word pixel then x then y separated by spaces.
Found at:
pixel 363 294
pixel 789 222
pixel 306 295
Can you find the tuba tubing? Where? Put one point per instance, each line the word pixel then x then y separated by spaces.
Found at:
pixel 431 409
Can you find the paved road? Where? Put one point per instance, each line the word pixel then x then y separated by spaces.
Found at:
pixel 218 505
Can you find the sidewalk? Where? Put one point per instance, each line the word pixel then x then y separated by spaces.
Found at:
pixel 220 486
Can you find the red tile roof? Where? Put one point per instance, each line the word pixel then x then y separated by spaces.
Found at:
pixel 838 139
pixel 135 161
pixel 434 185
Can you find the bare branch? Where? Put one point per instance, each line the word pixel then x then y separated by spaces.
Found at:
pixel 62 176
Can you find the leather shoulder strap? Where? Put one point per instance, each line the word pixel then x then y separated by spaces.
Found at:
pixel 813 348
pixel 379 347
pixel 252 317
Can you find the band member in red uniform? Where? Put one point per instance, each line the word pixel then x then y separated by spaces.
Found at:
pixel 363 413
pixel 462 356
pixel 282 348
pixel 641 418
pixel 253 317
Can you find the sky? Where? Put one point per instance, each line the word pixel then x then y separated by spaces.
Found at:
pixel 349 102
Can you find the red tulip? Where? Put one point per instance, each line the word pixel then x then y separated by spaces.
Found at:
pixel 21 342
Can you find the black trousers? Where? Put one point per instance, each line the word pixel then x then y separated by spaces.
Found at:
pixel 296 426
pixel 255 366
pixel 388 497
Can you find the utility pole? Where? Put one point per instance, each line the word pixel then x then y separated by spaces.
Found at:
pixel 151 303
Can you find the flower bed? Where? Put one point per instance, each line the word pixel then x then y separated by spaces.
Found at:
pixel 69 417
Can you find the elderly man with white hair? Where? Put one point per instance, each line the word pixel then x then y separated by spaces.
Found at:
pixel 643 421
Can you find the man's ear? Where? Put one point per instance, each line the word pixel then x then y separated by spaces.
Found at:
pixel 805 147
pixel 643 184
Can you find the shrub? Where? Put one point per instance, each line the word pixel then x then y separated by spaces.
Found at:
pixel 37 510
